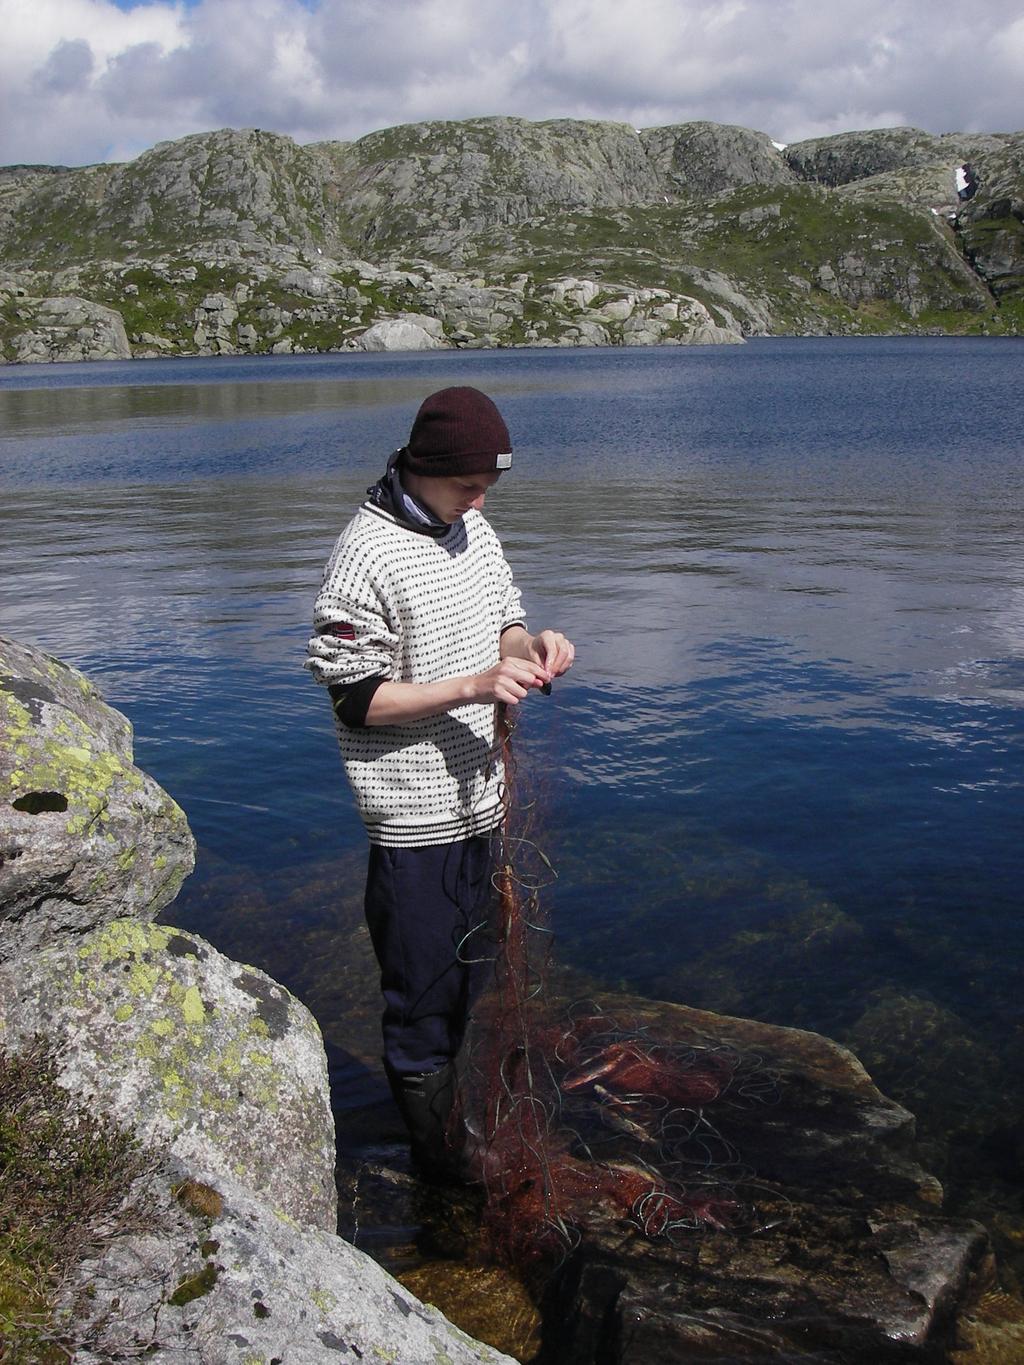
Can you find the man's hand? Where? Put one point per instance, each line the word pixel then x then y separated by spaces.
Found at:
pixel 399 703
pixel 528 663
pixel 549 648
pixel 553 652
pixel 509 681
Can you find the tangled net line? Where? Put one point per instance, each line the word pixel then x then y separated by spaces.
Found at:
pixel 570 1118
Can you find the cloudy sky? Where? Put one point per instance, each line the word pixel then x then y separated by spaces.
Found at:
pixel 101 80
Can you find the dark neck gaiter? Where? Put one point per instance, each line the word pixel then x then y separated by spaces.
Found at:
pixel 389 495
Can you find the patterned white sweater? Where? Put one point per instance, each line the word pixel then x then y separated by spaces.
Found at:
pixel 412 608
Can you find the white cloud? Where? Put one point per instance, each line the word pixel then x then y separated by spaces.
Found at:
pixel 85 80
pixel 53 60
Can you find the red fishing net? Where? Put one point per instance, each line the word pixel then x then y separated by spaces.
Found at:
pixel 574 1116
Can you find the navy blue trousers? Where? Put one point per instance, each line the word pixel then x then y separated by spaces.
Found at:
pixel 429 912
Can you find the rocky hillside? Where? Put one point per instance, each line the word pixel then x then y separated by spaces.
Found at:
pixel 498 231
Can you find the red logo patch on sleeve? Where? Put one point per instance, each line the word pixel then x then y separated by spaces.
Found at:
pixel 341 630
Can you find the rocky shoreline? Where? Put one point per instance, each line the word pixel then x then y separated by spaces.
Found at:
pixel 221 1074
pixel 311 307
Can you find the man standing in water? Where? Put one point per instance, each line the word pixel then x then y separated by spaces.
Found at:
pixel 419 637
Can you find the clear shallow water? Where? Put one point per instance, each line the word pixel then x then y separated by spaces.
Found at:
pixel 785 777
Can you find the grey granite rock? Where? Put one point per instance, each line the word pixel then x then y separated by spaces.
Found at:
pixel 432 326
pixel 710 334
pixel 439 182
pixel 85 836
pixel 497 212
pixel 591 333
pixel 191 1049
pixel 844 157
pixel 226 1251
pixel 223 1280
pixel 69 328
pixel 312 284
pixel 214 319
pixel 992 224
pixel 699 159
pixel 639 330
pixel 397 335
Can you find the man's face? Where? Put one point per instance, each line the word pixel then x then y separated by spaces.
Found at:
pixel 451 498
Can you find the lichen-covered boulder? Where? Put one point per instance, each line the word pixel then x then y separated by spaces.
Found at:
pixel 85 836
pixel 220 1278
pixel 188 1047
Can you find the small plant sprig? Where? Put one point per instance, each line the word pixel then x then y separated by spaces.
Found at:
pixel 66 1190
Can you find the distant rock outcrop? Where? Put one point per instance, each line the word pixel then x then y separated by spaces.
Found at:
pixel 437 184
pixel 845 157
pixel 241 241
pixel 701 159
pixel 401 334
pixel 74 329
pixel 992 224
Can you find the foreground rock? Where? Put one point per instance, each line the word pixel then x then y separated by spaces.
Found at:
pixel 784 1217
pixel 227 1250
pixel 85 836
pixel 170 1037
pixel 226 1281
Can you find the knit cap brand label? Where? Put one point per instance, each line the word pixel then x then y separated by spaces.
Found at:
pixel 503 461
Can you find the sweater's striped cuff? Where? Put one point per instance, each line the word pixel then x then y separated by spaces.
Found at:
pixel 351 701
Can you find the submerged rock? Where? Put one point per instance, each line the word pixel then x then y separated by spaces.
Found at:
pixel 781 1216
pixel 85 836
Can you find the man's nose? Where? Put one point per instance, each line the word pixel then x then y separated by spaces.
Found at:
pixel 478 501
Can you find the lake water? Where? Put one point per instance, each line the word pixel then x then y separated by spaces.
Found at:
pixel 784 778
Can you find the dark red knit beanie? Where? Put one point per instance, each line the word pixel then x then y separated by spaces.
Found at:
pixel 457 431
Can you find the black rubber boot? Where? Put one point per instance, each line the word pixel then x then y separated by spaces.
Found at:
pixel 426 1101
